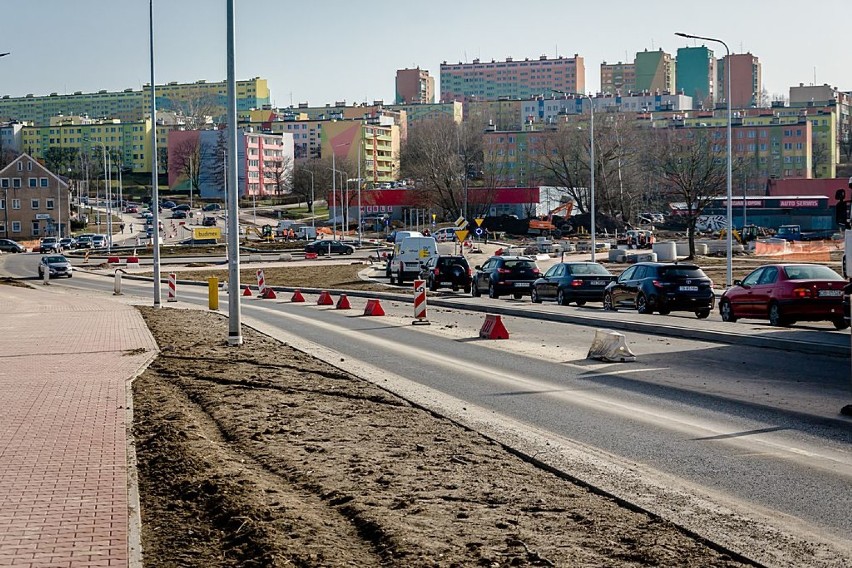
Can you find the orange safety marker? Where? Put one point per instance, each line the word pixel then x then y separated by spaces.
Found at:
pixel 325 299
pixel 261 283
pixel 374 308
pixel 343 303
pixel 310 255
pixel 247 291
pixel 420 303
pixel 113 260
pixel 493 328
pixel 268 294
pixel 297 296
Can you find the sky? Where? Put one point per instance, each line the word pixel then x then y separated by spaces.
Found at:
pixel 322 51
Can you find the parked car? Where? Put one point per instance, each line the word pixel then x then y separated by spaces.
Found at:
pixel 147 215
pixel 209 221
pixel 785 294
pixel 99 241
pixel 329 247
pixel 84 241
pixel 661 287
pixel 49 244
pixel 447 271
pixel 178 214
pixel 445 234
pixel 8 245
pixel 131 209
pixel 181 207
pixel 212 207
pixel 56 264
pixel 167 204
pixel 68 243
pixel 505 275
pixel 577 282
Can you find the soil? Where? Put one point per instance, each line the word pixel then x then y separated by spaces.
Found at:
pixel 265 456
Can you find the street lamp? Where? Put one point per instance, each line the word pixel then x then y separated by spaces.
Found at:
pixel 729 243
pixel 313 206
pixel 334 186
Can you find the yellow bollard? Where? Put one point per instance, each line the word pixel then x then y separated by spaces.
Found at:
pixel 213 292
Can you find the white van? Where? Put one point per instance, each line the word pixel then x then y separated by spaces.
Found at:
pixel 444 234
pixel 409 255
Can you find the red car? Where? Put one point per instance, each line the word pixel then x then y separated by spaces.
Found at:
pixel 785 294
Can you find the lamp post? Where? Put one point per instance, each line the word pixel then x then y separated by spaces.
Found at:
pixel 155 188
pixel 313 212
pixel 729 243
pixel 334 186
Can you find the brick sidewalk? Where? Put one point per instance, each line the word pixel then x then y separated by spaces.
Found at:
pixel 65 365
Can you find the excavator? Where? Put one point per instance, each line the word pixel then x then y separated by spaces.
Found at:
pixel 266 232
pixel 746 234
pixel 556 228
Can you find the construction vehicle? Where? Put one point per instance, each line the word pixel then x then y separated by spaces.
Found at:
pixel 265 233
pixel 555 227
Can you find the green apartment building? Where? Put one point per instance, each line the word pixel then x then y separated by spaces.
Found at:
pixel 695 75
pixel 655 71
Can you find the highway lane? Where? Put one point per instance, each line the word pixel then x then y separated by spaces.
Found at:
pixel 732 423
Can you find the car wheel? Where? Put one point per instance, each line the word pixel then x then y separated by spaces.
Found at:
pixel 474 290
pixel 840 323
pixel 581 302
pixel 642 305
pixel 664 312
pixel 702 314
pixel 399 278
pixel 534 296
pixel 560 298
pixel 467 289
pixel 350 250
pixel 775 316
pixel 391 278
pixel 492 291
pixel 726 310
pixel 517 296
pixel 608 305
pixel 69 276
pixel 433 287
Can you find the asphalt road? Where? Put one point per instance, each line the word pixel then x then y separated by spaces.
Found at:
pixel 752 431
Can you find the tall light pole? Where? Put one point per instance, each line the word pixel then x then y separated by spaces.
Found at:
pixel 334 185
pixel 360 157
pixel 729 243
pixel 234 320
pixel 155 188
pixel 313 206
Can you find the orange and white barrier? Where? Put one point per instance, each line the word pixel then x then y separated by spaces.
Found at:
pixel 172 287
pixel 493 328
pixel 261 283
pixel 420 302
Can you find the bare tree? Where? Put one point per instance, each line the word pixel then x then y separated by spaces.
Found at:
pixel 279 173
pixel 820 156
pixel 186 157
pixel 691 169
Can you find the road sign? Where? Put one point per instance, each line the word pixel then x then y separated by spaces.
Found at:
pixel 461 224
pixel 42 216
pixel 479 221
pixel 461 235
pixel 478 231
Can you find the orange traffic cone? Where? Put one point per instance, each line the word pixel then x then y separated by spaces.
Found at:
pixel 343 303
pixel 297 296
pixel 247 291
pixel 268 294
pixel 325 299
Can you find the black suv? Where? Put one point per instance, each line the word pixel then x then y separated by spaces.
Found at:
pixel 661 287
pixel 329 247
pixel 505 275
pixel 444 271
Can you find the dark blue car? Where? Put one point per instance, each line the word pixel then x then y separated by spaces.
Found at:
pixel 577 282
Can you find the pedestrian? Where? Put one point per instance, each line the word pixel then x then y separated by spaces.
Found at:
pixel 121 226
pixel 131 228
pixel 138 241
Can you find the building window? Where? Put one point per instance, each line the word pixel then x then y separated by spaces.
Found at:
pixel 4 182
pixel 16 204
pixel 16 183
pixel 33 182
pixel 35 228
pixel 16 226
pixel 20 166
pixel 43 182
pixel 48 203
pixel 2 204
pixel 34 204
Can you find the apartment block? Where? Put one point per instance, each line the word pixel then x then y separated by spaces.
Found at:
pixel 746 79
pixel 655 71
pixel 414 86
pixel 618 78
pixel 134 105
pixel 695 75
pixel 522 79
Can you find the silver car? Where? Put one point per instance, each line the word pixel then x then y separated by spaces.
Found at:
pixel 56 265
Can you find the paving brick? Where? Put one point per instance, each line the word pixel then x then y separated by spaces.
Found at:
pixel 65 364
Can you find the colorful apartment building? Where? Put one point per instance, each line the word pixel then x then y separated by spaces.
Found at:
pixel 618 78
pixel 655 71
pixel 695 75
pixel 132 105
pixel 520 79
pixel 264 162
pixel 746 80
pixel 34 201
pixel 414 86
pixel 544 110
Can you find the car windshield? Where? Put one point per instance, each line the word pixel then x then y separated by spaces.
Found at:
pixel 811 272
pixel 55 259
pixel 451 260
pixel 587 269
pixel 681 272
